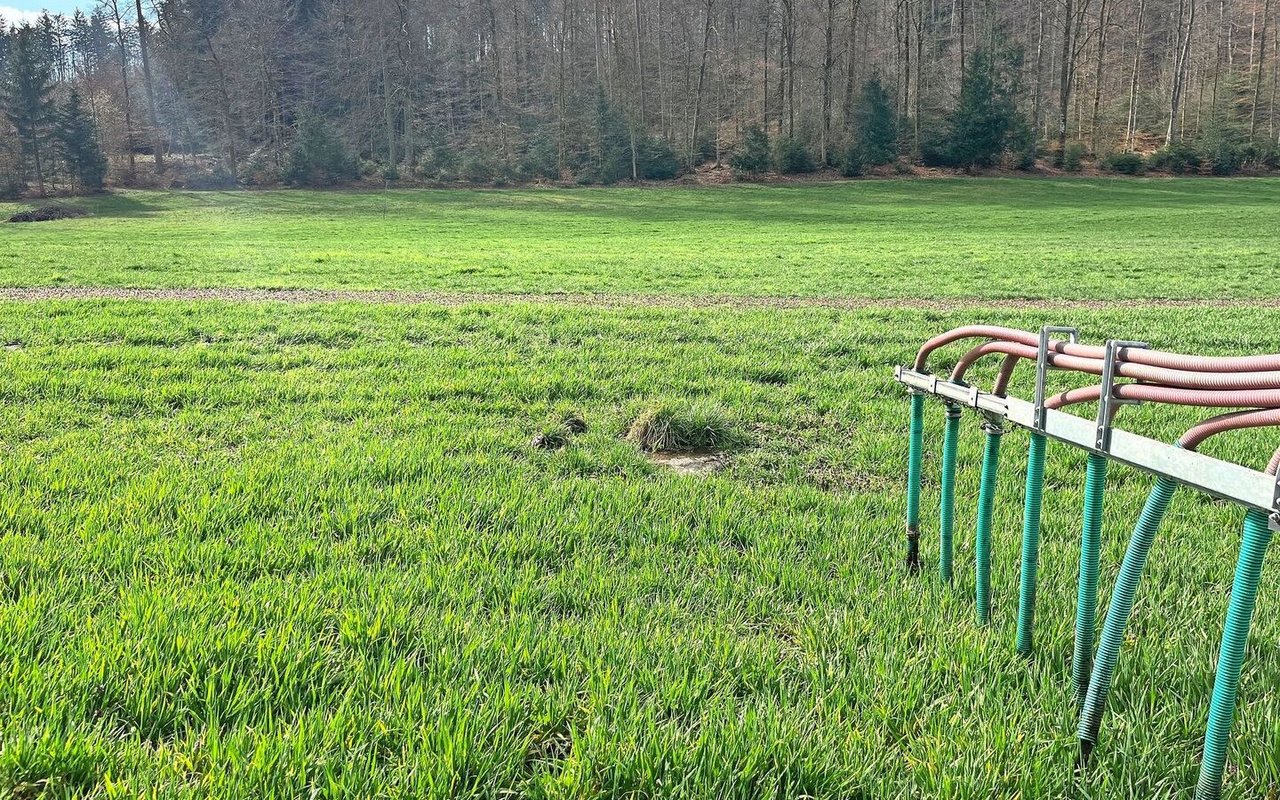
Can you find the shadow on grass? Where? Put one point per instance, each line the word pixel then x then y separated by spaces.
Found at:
pixel 84 208
pixel 118 205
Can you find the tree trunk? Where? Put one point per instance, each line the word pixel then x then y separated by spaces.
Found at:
pixel 1104 21
pixel 388 97
pixel 919 23
pixel 499 89
pixel 562 126
pixel 124 81
pixel 1037 108
pixel 851 65
pixel 224 110
pixel 702 79
pixel 781 99
pixel 828 65
pixel 1131 129
pixel 1257 81
pixel 35 148
pixel 764 94
pixel 1179 72
pixel 640 66
pixel 664 117
pixel 789 41
pixel 904 15
pixel 599 44
pixel 1064 78
pixel 144 50
pixel 1275 82
pixel 410 95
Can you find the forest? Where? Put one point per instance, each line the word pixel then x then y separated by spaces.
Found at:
pixel 220 93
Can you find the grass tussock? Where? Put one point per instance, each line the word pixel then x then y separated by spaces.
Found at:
pixel 670 427
pixel 556 435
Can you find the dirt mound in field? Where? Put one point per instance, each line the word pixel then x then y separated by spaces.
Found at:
pixel 691 462
pixel 49 214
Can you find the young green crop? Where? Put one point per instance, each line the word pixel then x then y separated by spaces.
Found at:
pixel 272 550
pixel 1002 237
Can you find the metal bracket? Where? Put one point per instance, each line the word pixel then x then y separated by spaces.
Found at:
pixel 899 371
pixel 1108 403
pixel 1275 507
pixel 1042 367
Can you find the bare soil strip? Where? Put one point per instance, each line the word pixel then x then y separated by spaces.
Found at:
pixel 603 300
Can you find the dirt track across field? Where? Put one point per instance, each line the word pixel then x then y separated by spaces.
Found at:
pixel 601 300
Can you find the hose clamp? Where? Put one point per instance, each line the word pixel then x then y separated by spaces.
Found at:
pixel 1108 402
pixel 1042 368
pixel 993 424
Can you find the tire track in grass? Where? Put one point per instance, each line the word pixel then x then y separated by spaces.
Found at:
pixel 394 297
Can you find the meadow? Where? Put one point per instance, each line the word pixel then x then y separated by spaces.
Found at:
pixel 1000 237
pixel 308 549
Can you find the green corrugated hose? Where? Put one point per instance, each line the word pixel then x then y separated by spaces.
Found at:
pixel 1095 485
pixel 1135 560
pixel 1222 711
pixel 1030 543
pixel 947 514
pixel 913 482
pixel 986 500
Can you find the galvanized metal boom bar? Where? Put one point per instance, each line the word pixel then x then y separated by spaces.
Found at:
pixel 1222 479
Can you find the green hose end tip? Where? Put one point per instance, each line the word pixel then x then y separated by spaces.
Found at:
pixel 913 552
pixel 1086 753
pixel 914 459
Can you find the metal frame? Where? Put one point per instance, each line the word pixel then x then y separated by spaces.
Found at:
pixel 1043 366
pixel 1108 403
pixel 1222 479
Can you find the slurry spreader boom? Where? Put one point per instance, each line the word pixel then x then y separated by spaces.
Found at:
pixel 1128 372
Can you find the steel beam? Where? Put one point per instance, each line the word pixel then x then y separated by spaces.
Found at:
pixel 1222 479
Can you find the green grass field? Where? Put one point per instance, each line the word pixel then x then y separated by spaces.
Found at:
pixel 963 237
pixel 306 550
